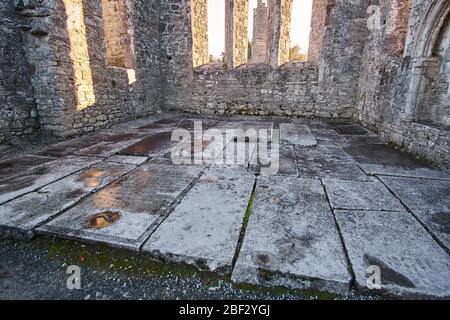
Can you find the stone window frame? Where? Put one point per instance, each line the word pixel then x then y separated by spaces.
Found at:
pixel 422 56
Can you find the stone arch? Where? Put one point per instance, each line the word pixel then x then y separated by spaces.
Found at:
pixel 424 62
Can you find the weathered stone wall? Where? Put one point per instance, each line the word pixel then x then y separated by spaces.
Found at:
pixel 386 81
pixel 18 114
pixel 76 90
pixel 200 54
pixel 333 94
pixel 318 23
pixel 341 58
pixel 290 90
pixel 118 33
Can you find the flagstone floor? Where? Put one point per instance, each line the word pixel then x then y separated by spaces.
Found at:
pixel 339 210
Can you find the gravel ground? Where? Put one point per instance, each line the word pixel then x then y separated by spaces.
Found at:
pixel 37 270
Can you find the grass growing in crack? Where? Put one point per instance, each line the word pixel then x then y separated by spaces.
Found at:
pixel 249 210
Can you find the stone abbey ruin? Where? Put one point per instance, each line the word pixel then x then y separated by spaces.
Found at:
pixel 92 91
pixel 66 67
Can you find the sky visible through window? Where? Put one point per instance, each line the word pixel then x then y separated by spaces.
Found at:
pixel 301 24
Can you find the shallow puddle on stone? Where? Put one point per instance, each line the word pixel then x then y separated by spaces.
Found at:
pixel 103 219
pixel 148 145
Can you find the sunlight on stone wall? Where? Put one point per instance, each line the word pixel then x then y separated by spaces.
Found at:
pixel 79 53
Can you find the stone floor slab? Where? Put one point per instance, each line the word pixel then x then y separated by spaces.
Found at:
pixel 236 155
pixel 378 159
pixel 111 144
pixel 429 200
pixel 296 134
pixel 18 166
pixel 127 159
pixel 154 145
pixel 41 176
pixel 327 161
pixel 19 217
pixel 204 228
pixel 361 195
pixel 138 200
pixel 291 239
pixel 411 262
pixel 282 163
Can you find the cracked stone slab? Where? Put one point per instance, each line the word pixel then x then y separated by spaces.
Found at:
pixel 291 239
pixel 297 134
pixel 18 166
pixel 411 262
pixel 282 163
pixel 197 151
pixel 153 145
pixel 139 199
pixel 325 134
pixel 378 159
pixel 204 228
pixel 236 155
pixel 127 159
pixel 245 125
pixel 429 200
pixel 19 217
pixel 42 175
pixel 111 144
pixel 177 123
pixel 361 195
pixel 327 161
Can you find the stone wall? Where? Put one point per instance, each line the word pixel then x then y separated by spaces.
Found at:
pixel 18 114
pixel 386 82
pixel 290 90
pixel 76 90
pixel 332 93
pixel 200 54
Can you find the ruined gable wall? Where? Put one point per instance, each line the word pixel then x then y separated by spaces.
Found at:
pixel 329 92
pixel 18 115
pixel 385 81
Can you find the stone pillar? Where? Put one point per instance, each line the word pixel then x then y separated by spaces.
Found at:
pixel 285 31
pixel 397 26
pixel 118 33
pixel 236 32
pixel 273 32
pixel 318 23
pixel 279 32
pixel 259 42
pixel 199 18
